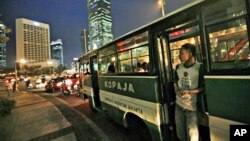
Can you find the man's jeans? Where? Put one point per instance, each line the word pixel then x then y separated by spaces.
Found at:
pixel 186 124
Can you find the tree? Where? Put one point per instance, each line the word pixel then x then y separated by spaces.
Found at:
pixel 4 38
pixel 60 69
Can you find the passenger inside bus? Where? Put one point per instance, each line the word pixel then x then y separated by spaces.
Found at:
pixel 111 68
pixel 141 67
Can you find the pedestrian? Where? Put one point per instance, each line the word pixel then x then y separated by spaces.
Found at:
pixel 27 83
pixel 9 87
pixel 189 82
pixel 87 72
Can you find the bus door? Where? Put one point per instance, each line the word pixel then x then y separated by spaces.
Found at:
pixel 166 84
pixel 94 79
pixel 169 43
pixel 178 37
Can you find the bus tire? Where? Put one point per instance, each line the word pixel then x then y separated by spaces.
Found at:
pixel 137 130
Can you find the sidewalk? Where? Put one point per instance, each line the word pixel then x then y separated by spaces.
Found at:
pixel 33 117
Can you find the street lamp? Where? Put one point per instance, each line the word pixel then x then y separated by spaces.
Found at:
pixel 162 3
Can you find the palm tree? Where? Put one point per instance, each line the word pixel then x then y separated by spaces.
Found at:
pixel 4 38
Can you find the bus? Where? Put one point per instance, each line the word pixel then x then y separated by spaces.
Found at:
pixel 144 101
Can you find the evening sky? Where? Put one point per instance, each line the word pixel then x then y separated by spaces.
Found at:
pixel 67 18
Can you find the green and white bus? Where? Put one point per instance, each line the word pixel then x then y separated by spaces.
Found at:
pixel 143 101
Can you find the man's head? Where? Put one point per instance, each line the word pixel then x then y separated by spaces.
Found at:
pixel 187 51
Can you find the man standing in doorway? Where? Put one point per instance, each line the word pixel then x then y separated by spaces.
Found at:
pixel 189 82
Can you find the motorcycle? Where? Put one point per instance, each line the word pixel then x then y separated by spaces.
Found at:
pixel 76 89
pixel 70 88
pixel 66 87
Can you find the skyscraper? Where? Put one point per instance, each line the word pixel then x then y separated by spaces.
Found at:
pixel 85 44
pixel 57 51
pixel 100 23
pixel 32 42
pixel 2 48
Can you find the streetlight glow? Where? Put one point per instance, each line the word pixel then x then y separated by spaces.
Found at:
pixel 160 2
pixel 22 61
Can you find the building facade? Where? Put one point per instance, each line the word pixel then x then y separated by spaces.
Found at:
pixel 32 42
pixel 85 44
pixel 56 49
pixel 100 23
pixel 3 58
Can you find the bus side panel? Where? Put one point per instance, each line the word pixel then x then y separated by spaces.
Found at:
pixel 227 105
pixel 87 85
pixel 141 99
pixel 155 131
pixel 117 115
pixel 144 88
pixel 114 113
pixel 229 98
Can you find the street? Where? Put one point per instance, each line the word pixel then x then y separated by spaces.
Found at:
pixel 84 122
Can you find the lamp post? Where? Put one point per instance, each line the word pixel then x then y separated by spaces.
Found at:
pixel 51 63
pixel 22 61
pixel 15 70
pixel 75 63
pixel 162 3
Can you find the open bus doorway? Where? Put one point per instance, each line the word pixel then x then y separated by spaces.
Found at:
pixel 177 38
pixel 94 79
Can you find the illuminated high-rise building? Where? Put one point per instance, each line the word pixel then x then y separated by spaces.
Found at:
pixel 32 42
pixel 100 23
pixel 57 51
pixel 2 48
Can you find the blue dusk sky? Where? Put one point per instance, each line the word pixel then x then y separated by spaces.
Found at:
pixel 67 18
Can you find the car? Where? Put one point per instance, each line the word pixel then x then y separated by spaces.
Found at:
pixel 54 84
pixel 40 82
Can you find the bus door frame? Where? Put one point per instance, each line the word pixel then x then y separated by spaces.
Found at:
pixel 166 82
pixel 94 81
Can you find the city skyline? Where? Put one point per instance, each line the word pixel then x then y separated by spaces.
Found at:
pixel 68 19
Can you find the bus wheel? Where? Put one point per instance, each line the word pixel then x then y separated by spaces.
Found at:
pixel 137 130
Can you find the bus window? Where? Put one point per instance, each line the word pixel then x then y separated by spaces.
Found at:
pixel 224 9
pixel 136 62
pixel 133 53
pixel 125 61
pixel 229 45
pixel 140 59
pixel 106 59
pixel 181 37
pixel 105 62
